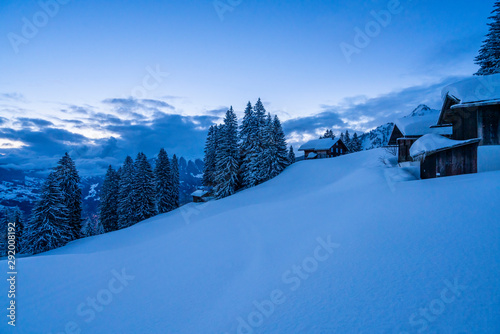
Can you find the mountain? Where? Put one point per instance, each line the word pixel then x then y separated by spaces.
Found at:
pixel 380 136
pixel 21 188
pixel 343 245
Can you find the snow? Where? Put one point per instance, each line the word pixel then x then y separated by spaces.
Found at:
pixel 474 89
pixel 397 249
pixel 312 155
pixel 421 125
pixel 199 193
pixel 433 143
pixel 319 144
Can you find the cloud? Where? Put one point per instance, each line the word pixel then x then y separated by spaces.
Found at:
pixel 361 114
pixel 45 144
pixel 27 122
pixel 12 97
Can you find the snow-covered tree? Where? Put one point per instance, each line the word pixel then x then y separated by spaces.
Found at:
pixel 209 160
pixel 91 227
pixel 279 157
pixel 69 182
pixel 347 140
pixel 108 210
pixel 227 157
pixel 176 181
pixel 291 155
pixel 489 54
pixel 249 147
pixel 356 145
pixel 164 183
pixel 4 222
pixel 48 227
pixel 265 158
pixel 328 134
pixel 143 189
pixel 125 198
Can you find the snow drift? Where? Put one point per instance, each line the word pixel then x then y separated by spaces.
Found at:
pixel 343 245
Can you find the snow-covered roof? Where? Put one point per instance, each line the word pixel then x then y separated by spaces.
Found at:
pixel 312 155
pixel 432 143
pixel 319 144
pixel 199 193
pixel 421 125
pixel 475 89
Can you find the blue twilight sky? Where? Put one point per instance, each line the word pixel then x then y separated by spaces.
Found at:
pixel 103 79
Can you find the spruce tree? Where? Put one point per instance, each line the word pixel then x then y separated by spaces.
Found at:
pixel 164 183
pixel 267 152
pixel 125 198
pixel 143 190
pixel 4 222
pixel 227 157
pixel 210 157
pixel 110 195
pixel 176 182
pixel 489 54
pixel 347 141
pixel 91 227
pixel 69 182
pixel 279 157
pixel 249 146
pixel 356 145
pixel 48 228
pixel 291 155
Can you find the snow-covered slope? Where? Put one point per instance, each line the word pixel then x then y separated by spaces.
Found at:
pixel 343 245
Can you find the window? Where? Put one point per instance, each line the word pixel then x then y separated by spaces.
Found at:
pixel 332 149
pixel 337 150
pixel 340 151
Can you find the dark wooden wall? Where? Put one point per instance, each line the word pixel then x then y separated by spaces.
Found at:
pixel 489 125
pixel 455 161
pixel 404 145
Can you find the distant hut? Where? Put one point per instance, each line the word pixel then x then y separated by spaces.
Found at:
pixel 472 107
pixel 440 156
pixel 323 148
pixel 200 196
pixel 408 129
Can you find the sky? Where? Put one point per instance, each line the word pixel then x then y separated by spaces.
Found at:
pixel 106 79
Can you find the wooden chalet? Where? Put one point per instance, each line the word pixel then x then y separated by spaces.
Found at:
pixel 323 148
pixel 408 129
pixel 440 156
pixel 472 108
pixel 200 196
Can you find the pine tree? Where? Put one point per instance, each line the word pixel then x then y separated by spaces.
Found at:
pixel 125 199
pixel 279 152
pixel 210 157
pixel 347 141
pixel 164 183
pixel 143 190
pixel 91 227
pixel 108 211
pixel 328 134
pixel 176 182
pixel 249 138
pixel 4 222
pixel 48 228
pixel 356 145
pixel 291 155
pixel 265 158
pixel 69 182
pixel 227 157
pixel 489 54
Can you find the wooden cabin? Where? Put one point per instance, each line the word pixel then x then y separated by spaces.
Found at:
pixel 408 129
pixel 323 148
pixel 472 107
pixel 440 156
pixel 200 196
